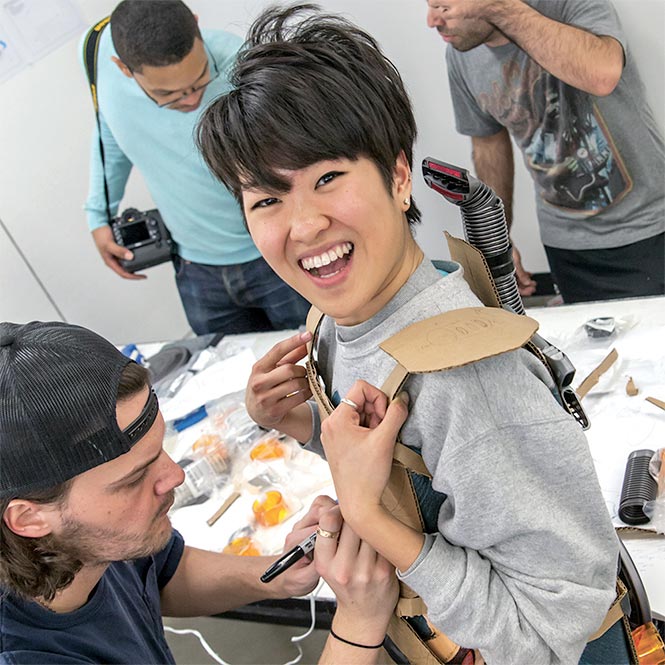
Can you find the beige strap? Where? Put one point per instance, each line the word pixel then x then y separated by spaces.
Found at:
pixel 614 614
pixel 458 337
pixel 411 460
pixel 321 399
pixel 411 607
pixel 314 317
pixel 399 498
pixel 391 386
pixel 408 642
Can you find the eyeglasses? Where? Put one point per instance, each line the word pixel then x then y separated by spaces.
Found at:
pixel 189 91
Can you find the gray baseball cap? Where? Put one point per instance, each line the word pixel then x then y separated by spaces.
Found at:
pixel 58 395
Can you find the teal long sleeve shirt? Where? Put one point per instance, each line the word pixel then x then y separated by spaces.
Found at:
pixel 202 215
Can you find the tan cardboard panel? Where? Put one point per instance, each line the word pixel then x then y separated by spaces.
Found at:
pixel 593 378
pixel 476 271
pixel 459 337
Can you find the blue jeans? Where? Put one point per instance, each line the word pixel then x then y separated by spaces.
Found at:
pixel 245 297
pixel 610 649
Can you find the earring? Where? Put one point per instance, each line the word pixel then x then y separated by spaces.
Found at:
pixel 407 201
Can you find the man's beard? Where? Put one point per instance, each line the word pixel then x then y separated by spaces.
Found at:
pixel 87 545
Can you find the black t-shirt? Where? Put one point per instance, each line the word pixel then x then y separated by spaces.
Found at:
pixel 121 623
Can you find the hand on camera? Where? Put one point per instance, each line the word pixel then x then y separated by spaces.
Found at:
pixel 111 252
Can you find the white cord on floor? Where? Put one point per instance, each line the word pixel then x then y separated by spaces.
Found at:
pixel 190 631
pixel 295 640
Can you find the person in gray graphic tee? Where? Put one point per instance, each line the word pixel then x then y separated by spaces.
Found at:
pixel 558 77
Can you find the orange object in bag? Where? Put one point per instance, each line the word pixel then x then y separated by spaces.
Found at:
pixel 649 645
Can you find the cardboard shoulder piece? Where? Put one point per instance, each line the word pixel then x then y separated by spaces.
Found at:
pixel 451 339
pixel 458 337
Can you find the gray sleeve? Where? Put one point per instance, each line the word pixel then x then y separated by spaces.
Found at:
pixel 314 444
pixel 470 119
pixel 524 565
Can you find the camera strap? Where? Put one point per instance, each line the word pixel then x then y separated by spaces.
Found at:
pixel 90 50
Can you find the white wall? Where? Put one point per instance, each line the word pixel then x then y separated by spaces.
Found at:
pixel 45 122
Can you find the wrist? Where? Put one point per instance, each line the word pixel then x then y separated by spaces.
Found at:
pixel 358 630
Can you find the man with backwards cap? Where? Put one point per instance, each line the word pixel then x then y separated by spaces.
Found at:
pixel 89 561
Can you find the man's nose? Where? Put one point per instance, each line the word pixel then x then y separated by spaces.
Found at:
pixel 171 475
pixel 192 98
pixel 434 18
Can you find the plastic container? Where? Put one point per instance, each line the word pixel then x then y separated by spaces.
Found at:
pixel 271 508
pixel 200 482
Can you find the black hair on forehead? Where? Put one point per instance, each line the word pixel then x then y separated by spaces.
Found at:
pixel 307 87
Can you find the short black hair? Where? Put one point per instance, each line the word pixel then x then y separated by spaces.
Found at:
pixel 153 32
pixel 307 87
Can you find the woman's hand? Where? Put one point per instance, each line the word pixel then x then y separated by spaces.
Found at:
pixel 277 389
pixel 359 447
pixel 302 577
pixel 364 583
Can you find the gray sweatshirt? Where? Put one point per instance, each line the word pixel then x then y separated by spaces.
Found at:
pixel 523 565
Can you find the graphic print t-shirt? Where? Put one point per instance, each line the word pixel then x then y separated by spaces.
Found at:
pixel 592 159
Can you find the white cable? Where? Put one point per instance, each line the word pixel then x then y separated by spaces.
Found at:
pixel 295 640
pixel 190 631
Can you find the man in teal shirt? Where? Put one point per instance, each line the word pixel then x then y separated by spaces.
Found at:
pixel 156 71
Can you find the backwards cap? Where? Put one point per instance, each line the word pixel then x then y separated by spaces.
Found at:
pixel 58 395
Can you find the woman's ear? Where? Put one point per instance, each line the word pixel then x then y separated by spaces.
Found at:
pixel 28 519
pixel 402 179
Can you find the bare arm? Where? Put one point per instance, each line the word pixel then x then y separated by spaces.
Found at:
pixel 207 583
pixel 591 63
pixel 493 161
pixel 366 590
pixel 359 448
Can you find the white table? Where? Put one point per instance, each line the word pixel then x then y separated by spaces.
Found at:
pixel 620 423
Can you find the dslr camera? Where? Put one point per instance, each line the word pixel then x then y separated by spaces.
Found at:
pixel 144 234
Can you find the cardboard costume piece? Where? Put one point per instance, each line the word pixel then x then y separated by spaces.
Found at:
pixel 452 339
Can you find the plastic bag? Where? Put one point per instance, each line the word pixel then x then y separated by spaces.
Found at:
pixel 655 510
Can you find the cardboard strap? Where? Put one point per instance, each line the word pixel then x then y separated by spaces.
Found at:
pixel 476 271
pixel 410 459
pixel 411 606
pixel 320 397
pixel 392 385
pixel 614 614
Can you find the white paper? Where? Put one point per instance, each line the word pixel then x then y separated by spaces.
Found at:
pixel 29 29
pixel 648 555
pixel 222 378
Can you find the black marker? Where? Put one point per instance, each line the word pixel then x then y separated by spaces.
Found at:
pixel 285 562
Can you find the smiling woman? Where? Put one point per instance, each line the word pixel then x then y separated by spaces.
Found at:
pixel 315 140
pixel 326 196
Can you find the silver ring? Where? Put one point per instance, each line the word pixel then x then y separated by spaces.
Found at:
pixel 349 402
